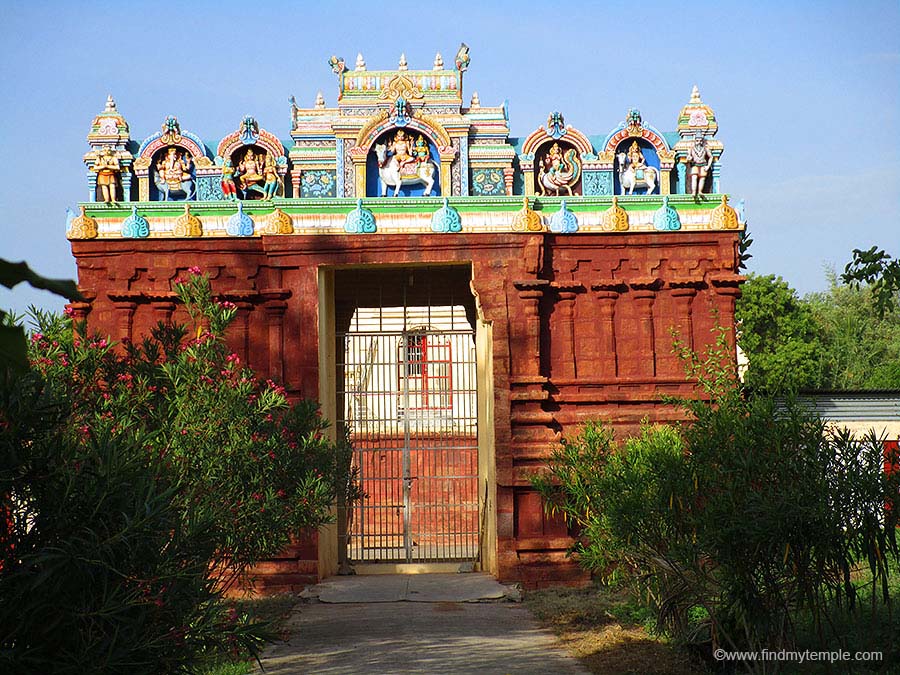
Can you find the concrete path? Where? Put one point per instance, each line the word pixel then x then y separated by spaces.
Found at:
pixel 393 624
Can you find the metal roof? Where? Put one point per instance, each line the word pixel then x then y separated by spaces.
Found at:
pixel 846 406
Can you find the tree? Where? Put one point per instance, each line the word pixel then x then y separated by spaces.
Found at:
pixel 836 339
pixel 877 269
pixel 138 482
pixel 860 341
pixel 778 334
pixel 737 523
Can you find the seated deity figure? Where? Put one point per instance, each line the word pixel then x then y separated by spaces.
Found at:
pixel 402 149
pixel 700 160
pixel 555 161
pixel 250 172
pixel 107 168
pixel 421 151
pixel 636 160
pixel 173 173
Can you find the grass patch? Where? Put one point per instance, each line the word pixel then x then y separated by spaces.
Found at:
pixel 609 631
pixel 274 609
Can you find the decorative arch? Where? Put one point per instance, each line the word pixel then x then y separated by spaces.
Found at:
pixel 170 135
pixel 185 140
pixel 634 129
pixel 646 132
pixel 421 123
pixel 264 139
pixel 416 122
pixel 541 139
pixel 539 136
pixel 438 156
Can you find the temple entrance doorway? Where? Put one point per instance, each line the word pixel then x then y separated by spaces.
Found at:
pixel 407 396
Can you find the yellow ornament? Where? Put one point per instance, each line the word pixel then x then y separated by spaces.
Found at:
pixel 527 220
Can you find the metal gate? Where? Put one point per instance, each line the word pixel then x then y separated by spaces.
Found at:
pixel 408 398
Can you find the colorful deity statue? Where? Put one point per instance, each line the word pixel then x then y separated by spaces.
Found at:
pixel 173 174
pixel 636 160
pixel 634 172
pixel 107 169
pixel 270 173
pixel 250 172
pixel 401 146
pixel 229 189
pixel 421 151
pixel 559 171
pixel 699 161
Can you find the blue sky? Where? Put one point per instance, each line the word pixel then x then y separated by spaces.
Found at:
pixel 806 95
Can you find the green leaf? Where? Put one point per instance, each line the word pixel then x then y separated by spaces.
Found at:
pixel 12 274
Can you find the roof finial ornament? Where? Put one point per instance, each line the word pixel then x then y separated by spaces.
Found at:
pixel 110 104
pixel 320 100
pixel 462 58
pixel 360 62
pixel 475 102
pixel 695 95
pixel 337 65
pixel 403 65
pixel 438 61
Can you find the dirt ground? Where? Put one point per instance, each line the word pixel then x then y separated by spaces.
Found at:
pixel 608 632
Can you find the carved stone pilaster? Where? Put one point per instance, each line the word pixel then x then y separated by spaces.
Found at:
pixel 729 285
pixel 683 293
pixel 125 305
pixel 678 327
pixel 525 342
pixel 163 303
pixel 607 292
pixel 562 343
pixel 643 294
pixel 508 175
pixel 275 306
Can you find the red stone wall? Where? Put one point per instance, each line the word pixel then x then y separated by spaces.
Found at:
pixel 581 330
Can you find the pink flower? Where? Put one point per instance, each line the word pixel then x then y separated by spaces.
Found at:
pixel 257 496
pixel 194 270
pixel 68 311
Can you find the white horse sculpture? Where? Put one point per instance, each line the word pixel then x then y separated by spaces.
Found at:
pixel 389 171
pixel 628 176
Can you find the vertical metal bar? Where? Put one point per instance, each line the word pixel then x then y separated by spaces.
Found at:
pixel 407 542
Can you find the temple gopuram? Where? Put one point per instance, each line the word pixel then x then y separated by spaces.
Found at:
pixel 457 299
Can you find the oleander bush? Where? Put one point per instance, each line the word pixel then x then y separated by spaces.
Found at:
pixel 735 524
pixel 139 483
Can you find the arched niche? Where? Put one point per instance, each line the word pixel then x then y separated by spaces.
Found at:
pixel 651 157
pixel 539 144
pixel 173 175
pixel 153 151
pixel 249 164
pixel 265 146
pixel 381 126
pixel 557 169
pixel 653 145
pixel 374 183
